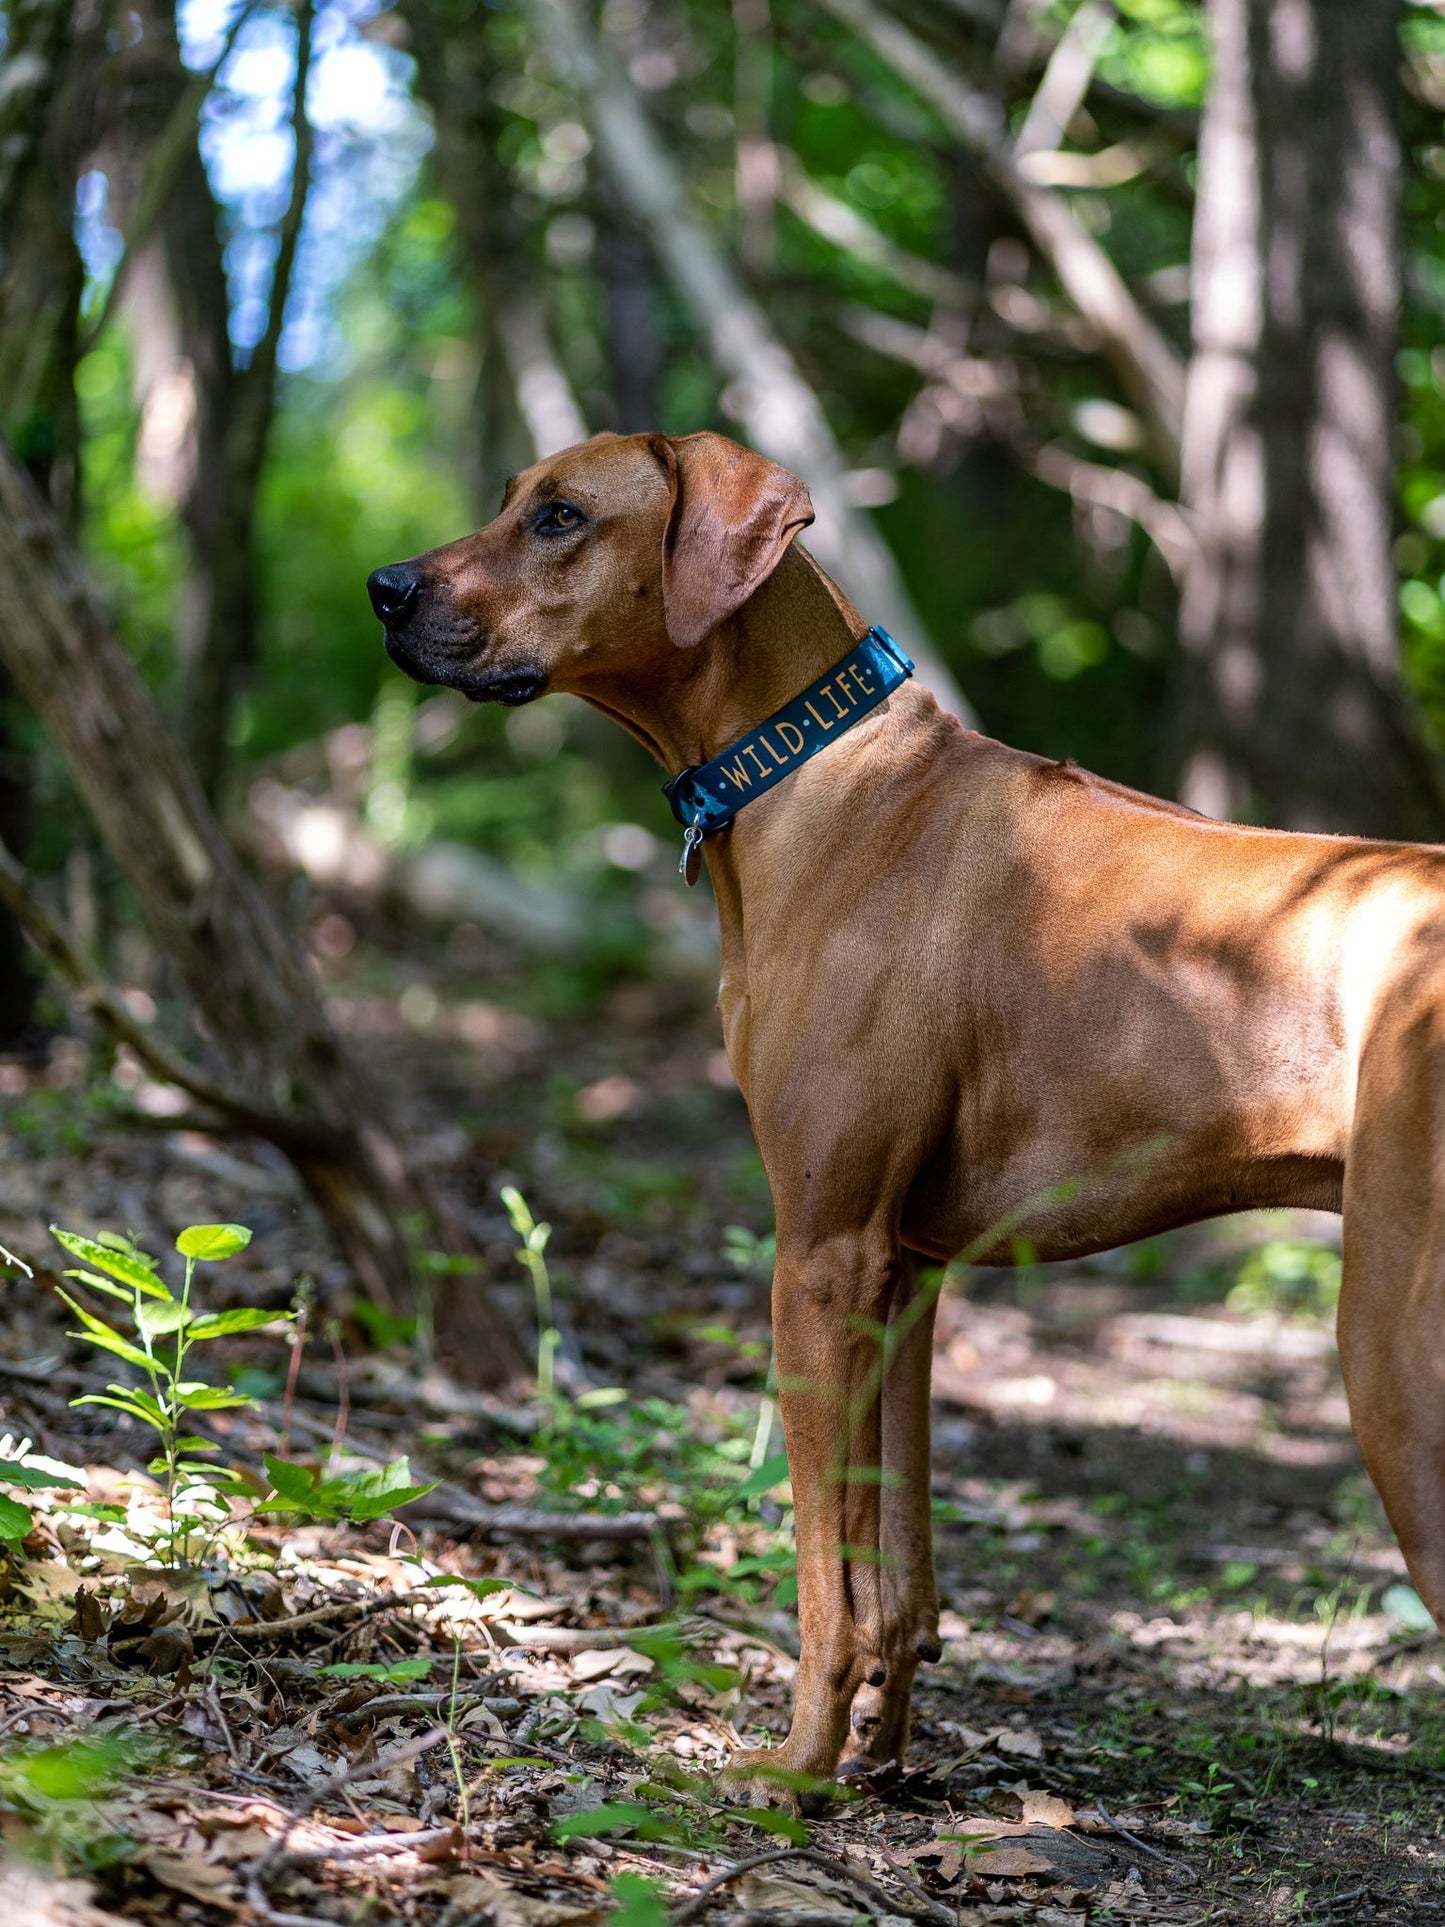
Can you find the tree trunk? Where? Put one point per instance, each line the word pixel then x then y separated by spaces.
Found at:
pixel 209 919
pixel 1291 710
pixel 46 121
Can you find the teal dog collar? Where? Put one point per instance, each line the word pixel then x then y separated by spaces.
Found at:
pixel 707 796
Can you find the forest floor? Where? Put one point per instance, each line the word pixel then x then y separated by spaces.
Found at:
pixel 1178 1681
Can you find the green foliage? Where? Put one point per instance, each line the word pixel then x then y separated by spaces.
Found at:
pixel 56 1790
pixel 353 1498
pixel 400 1672
pixel 532 1259
pixel 166 1328
pixel 640 1902
pixel 1289 1276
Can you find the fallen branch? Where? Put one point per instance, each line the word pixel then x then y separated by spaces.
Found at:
pixel 1154 1853
pixel 302 1622
pixel 454 1507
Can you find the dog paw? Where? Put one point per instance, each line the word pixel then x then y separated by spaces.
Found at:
pixel 764 1777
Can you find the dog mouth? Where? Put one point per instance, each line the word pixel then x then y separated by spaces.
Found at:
pixel 523 683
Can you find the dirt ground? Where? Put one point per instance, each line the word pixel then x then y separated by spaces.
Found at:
pixel 1178 1683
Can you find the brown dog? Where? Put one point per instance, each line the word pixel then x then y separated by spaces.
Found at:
pixel 954 978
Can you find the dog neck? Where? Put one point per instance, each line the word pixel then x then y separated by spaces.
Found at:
pixel 789 633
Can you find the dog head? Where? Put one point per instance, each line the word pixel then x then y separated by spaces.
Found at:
pixel 604 560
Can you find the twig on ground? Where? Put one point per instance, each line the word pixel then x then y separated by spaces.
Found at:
pixel 301 1622
pixel 455 1508
pixel 1154 1853
pixel 266 1864
pixel 930 1910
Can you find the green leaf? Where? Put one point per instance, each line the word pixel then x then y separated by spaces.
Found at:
pixel 121 1404
pixel 772 1820
pixel 246 1318
pixel 381 1503
pixel 97 1283
pixel 478 1588
pixel 30 1478
pixel 209 1474
pixel 400 1670
pixel 210 1242
pixel 15 1519
pixel 293 1482
pixel 124 1264
pixel 1405 1606
pixel 209 1398
pixel 97 1332
pixel 771 1472
pixel 156 1320
pixel 640 1901
pixel 603 1395
pixel 616 1817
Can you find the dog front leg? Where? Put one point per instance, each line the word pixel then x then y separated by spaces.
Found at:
pixel 879 1720
pixel 830 1304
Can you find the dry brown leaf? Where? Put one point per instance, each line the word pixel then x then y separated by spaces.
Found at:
pixel 596 1665
pixel 480 1896
pixel 210 1881
pixel 801 1893
pixel 1044 1809
pixel 1008 1862
pixel 1023 1744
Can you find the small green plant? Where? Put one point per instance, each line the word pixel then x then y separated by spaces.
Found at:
pixel 401 1672
pixel 348 1498
pixel 166 1329
pixel 532 1258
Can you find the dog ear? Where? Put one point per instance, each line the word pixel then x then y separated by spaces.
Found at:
pixel 733 513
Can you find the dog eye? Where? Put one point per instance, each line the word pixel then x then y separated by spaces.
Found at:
pixel 559 518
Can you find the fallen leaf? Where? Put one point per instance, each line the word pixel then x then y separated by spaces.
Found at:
pixel 1023 1744
pixel 1044 1809
pixel 480 1896
pixel 596 1665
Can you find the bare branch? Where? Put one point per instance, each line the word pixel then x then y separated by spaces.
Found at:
pixel 1066 78
pixel 258 384
pixel 29 76
pixel 983 381
pixel 1148 367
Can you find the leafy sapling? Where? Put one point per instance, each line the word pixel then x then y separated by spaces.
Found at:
pixel 166 1330
pixel 532 1258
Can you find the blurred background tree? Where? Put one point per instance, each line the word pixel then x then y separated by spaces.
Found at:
pixel 1105 334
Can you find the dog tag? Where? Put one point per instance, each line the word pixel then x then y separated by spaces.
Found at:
pixel 691 862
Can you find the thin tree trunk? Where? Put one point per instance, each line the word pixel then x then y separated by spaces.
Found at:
pixel 47 94
pixel 1291 707
pixel 209 919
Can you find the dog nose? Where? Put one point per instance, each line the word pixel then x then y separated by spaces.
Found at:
pixel 394 592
